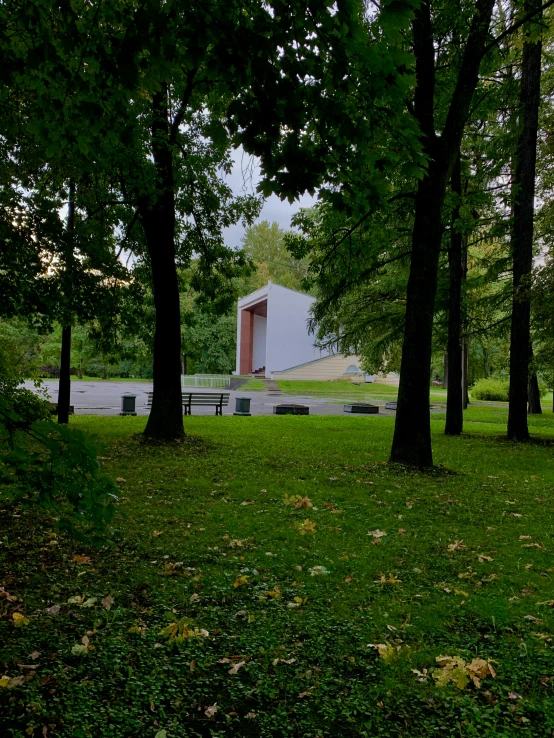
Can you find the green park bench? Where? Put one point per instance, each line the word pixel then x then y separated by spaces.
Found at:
pixel 219 400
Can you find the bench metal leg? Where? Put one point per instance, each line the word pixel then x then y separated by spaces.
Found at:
pixel 187 410
pixel 218 410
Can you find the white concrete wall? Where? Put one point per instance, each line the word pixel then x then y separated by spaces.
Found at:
pixel 288 340
pixel 259 342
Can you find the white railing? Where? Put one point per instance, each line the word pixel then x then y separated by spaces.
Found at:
pixel 205 380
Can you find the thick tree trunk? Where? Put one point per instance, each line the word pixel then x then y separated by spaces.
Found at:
pixel 454 399
pixel 412 433
pixel 533 390
pixel 157 214
pixel 533 396
pixel 64 384
pixel 522 235
pixel 465 375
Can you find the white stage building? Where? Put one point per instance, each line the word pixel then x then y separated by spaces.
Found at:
pixel 273 340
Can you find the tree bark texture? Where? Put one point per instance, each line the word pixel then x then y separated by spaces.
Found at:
pixel 522 234
pixel 412 432
pixel 454 398
pixel 533 396
pixel 465 375
pixel 64 384
pixel 157 215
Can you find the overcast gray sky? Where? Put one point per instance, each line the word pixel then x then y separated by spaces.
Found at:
pixel 243 180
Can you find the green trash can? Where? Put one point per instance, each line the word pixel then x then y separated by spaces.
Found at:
pixel 128 404
pixel 242 406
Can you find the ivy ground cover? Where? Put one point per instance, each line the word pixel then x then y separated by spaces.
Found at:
pixel 275 577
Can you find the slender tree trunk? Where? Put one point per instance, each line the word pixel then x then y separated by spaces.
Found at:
pixel 64 384
pixel 157 214
pixel 412 433
pixel 454 400
pixel 522 234
pixel 445 377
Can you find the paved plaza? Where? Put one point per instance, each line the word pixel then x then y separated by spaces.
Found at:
pixel 104 398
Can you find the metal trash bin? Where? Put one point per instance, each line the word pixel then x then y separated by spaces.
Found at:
pixel 128 404
pixel 242 406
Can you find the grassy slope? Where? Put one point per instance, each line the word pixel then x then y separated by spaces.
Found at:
pixel 185 504
pixel 363 392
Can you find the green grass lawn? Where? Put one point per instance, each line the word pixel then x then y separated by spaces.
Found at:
pixel 253 385
pixel 281 609
pixel 363 392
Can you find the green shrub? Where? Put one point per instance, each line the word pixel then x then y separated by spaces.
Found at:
pixel 52 466
pixel 495 390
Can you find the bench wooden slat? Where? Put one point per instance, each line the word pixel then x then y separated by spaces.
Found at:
pixel 207 399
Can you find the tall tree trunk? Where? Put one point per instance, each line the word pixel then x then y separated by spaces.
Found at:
pixel 533 390
pixel 64 384
pixel 533 396
pixel 465 374
pixel 157 214
pixel 454 400
pixel 522 233
pixel 412 433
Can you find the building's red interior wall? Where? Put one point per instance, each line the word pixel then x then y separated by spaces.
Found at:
pixel 246 341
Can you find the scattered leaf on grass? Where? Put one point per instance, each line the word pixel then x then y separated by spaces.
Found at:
pixel 179 630
pixel 389 652
pixel 454 669
pixel 317 571
pixel 307 527
pixel 483 558
pixel 240 581
pixel 19 619
pixel 235 668
pixel 7 596
pixel 80 649
pixel 80 559
pixel 376 533
pixel 391 579
pixel 157 533
pixel 107 602
pixel 457 546
pixel 421 675
pixel 211 711
pixel 298 501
